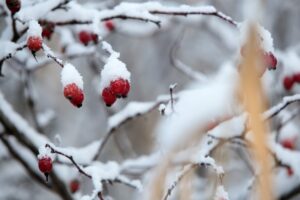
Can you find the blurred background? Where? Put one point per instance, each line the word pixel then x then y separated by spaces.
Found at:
pixel 205 43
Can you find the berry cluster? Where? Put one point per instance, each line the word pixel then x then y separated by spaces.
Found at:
pixel 118 88
pixel 288 144
pixel 288 81
pixel 72 85
pixel 74 94
pixel 13 5
pixel 86 37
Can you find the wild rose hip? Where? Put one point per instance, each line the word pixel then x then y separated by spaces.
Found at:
pixel 34 43
pixel 288 143
pixel 108 97
pixel 48 30
pixel 13 5
pixel 270 60
pixel 74 94
pixel 288 82
pixel 109 25
pixel 45 164
pixel 120 87
pixel 74 186
pixel 85 37
pixel 296 77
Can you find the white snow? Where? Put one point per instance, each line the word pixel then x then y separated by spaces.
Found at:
pixel 199 107
pixel 45 152
pixel 82 155
pixel 221 194
pixel 113 69
pixel 69 75
pixel 20 123
pixel 10 48
pixel 34 29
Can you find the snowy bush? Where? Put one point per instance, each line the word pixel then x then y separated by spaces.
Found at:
pixel 148 100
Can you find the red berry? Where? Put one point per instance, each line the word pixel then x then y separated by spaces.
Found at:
pixel 296 77
pixel 85 37
pixel 108 97
pixel 126 90
pixel 120 87
pixel 288 143
pixel 74 186
pixel 109 25
pixel 45 164
pixel 270 61
pixel 74 94
pixel 13 5
pixel 290 171
pixel 34 43
pixel 95 38
pixel 288 82
pixel 48 30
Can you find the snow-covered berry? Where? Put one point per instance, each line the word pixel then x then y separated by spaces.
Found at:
pixel 13 5
pixel 45 164
pixel 270 61
pixel 34 43
pixel 109 24
pixel 74 94
pixel 74 185
pixel 108 97
pixel 72 84
pixel 85 37
pixel 288 82
pixel 296 77
pixel 48 30
pixel 120 87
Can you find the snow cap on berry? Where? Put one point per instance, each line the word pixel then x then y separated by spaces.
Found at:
pixel 34 29
pixel 45 152
pixel 113 69
pixel 69 75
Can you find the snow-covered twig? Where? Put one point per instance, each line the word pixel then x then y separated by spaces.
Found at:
pixel 179 177
pixel 51 55
pixel 131 111
pixel 282 105
pixel 82 171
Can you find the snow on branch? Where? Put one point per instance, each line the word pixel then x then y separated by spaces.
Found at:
pixel 131 111
pixel 282 105
pixel 97 171
pixel 8 50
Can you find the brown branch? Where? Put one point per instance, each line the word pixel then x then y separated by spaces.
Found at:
pixel 80 170
pixel 182 13
pixel 14 29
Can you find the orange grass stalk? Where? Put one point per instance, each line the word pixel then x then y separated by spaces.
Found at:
pixel 254 102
